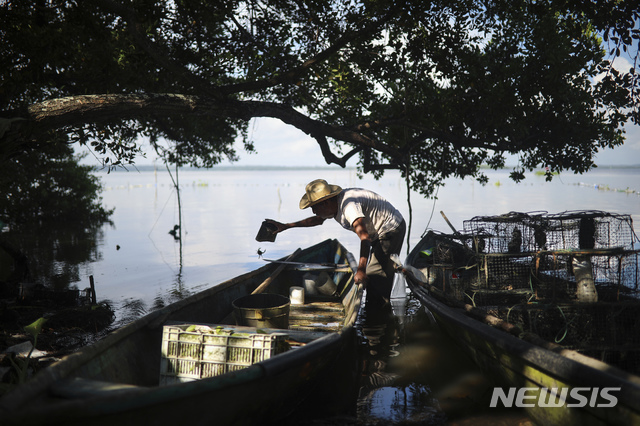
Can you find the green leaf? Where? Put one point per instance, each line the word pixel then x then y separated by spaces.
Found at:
pixel 35 327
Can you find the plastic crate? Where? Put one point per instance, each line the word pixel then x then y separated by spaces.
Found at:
pixel 192 352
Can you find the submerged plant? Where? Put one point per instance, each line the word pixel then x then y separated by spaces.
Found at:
pixel 21 365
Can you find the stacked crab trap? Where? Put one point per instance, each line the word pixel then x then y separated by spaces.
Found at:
pixel 571 278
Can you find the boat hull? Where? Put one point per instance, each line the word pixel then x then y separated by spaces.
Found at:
pixel 116 379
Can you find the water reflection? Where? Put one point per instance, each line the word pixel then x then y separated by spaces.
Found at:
pixel 130 309
pixel 412 373
pixel 386 395
pixel 58 257
pixel 178 289
pixel 51 255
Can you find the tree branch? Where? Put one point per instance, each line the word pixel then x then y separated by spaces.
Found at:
pixel 39 119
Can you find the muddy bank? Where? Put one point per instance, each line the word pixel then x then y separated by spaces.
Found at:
pixel 67 329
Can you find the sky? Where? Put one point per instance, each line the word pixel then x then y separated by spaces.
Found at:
pixel 628 154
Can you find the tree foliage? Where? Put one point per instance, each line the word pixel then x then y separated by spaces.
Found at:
pixel 433 88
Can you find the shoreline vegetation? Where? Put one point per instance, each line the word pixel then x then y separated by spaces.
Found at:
pixel 151 167
pixel 607 188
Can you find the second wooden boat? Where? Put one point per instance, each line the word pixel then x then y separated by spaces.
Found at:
pixel 511 297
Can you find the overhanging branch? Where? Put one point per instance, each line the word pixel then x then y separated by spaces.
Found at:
pixel 39 119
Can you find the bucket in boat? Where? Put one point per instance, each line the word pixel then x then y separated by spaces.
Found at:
pixel 262 310
pixel 319 284
pixel 267 232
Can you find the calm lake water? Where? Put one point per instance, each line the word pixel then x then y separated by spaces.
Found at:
pixel 418 373
pixel 138 260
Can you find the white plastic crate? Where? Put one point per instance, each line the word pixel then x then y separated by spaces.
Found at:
pixel 192 352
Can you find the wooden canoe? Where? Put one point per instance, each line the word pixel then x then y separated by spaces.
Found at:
pixel 116 380
pixel 517 359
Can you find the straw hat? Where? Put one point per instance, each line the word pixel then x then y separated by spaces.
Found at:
pixel 317 191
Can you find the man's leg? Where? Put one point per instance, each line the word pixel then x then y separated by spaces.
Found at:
pixel 381 269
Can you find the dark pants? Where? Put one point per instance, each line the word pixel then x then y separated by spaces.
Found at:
pixel 380 269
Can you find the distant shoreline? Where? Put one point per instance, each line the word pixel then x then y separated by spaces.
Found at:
pixel 150 167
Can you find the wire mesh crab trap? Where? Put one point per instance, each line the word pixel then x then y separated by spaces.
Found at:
pixel 544 253
pixel 571 278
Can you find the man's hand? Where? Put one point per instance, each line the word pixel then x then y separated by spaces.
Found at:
pixel 361 278
pixel 279 226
